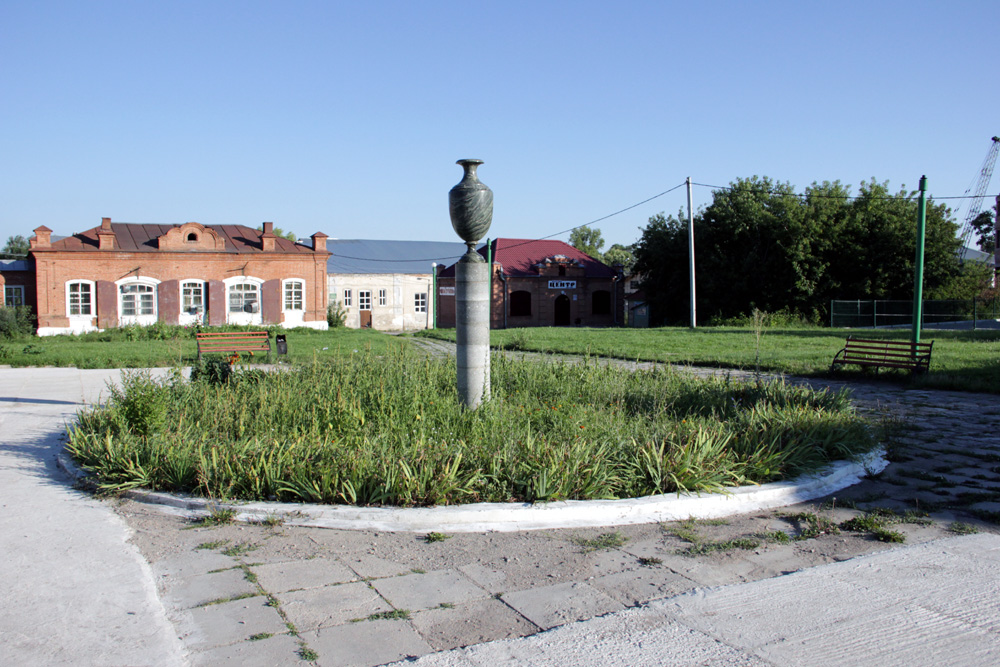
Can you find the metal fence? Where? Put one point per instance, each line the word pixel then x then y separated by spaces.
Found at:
pixel 875 313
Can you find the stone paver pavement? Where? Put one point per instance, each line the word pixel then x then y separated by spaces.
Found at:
pixel 273 594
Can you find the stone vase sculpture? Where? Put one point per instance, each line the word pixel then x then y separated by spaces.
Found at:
pixel 470 204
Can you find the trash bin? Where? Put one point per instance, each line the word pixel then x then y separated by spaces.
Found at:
pixel 281 344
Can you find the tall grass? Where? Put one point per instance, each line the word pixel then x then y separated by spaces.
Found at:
pixel 371 429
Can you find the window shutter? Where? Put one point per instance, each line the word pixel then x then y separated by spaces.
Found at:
pixel 168 301
pixel 107 304
pixel 270 296
pixel 216 303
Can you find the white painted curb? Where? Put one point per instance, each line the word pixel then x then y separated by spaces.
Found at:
pixel 507 517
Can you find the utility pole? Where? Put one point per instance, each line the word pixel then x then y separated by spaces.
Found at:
pixel 694 308
pixel 918 268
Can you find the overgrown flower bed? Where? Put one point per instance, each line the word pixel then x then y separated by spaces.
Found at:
pixel 388 430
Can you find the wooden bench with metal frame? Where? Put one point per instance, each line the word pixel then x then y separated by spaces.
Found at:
pixel 234 342
pixel 904 355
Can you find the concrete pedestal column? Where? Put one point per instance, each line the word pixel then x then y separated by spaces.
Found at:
pixel 472 326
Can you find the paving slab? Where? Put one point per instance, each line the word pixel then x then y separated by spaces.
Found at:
pixel 191 592
pixel 635 587
pixel 428 590
pixel 295 575
pixel 470 623
pixel 229 622
pixel 550 606
pixel 190 563
pixel 373 567
pixel 331 605
pixel 365 643
pixel 274 651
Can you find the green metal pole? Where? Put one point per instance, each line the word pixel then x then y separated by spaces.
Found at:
pixel 918 268
pixel 434 293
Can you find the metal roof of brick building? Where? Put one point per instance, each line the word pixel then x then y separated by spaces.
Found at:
pixel 139 237
pixel 371 256
pixel 520 257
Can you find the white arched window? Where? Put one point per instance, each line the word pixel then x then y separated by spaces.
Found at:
pixel 137 300
pixel 243 300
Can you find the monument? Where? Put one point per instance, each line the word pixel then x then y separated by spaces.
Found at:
pixel 470 204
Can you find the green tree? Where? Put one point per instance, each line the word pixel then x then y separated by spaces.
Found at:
pixel 985 230
pixel 661 258
pixel 620 254
pixel 588 241
pixel 759 244
pixel 277 231
pixel 16 245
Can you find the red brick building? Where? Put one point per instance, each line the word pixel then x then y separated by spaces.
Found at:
pixel 126 273
pixel 541 284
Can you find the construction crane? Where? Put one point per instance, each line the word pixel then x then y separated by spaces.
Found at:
pixel 976 202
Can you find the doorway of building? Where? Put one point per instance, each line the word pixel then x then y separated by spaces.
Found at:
pixel 365 309
pixel 562 311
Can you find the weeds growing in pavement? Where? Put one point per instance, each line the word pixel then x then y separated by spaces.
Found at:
pixel 705 548
pixel 212 545
pixel 432 537
pixel 811 525
pixel 395 614
pixel 602 541
pixel 961 528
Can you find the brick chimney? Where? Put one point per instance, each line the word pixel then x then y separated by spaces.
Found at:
pixel 105 237
pixel 319 241
pixel 267 237
pixel 42 238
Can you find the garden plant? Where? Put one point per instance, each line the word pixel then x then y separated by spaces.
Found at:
pixel 385 427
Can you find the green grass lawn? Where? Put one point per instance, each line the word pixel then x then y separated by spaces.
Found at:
pixel 113 349
pixel 967 360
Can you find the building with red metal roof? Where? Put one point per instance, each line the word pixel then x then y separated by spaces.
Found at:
pixel 541 283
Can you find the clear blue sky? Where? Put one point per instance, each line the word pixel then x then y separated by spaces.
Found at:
pixel 347 117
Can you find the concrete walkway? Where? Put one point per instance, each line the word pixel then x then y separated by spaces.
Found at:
pixel 74 591
pixel 78 588
pixel 933 604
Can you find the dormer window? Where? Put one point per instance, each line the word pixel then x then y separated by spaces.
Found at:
pixel 192 238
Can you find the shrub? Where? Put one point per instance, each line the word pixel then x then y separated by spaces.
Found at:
pixel 336 316
pixel 212 370
pixel 16 322
pixel 141 402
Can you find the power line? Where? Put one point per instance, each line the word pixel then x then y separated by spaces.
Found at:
pixel 526 242
pixel 610 215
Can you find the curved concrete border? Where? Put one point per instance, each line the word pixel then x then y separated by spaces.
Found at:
pixel 507 517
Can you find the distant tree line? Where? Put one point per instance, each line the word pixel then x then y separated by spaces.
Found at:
pixel 761 245
pixel 589 241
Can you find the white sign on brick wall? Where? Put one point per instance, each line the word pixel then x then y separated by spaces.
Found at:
pixel 562 284
pixel 446 291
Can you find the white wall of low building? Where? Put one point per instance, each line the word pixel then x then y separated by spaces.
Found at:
pixel 398 313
